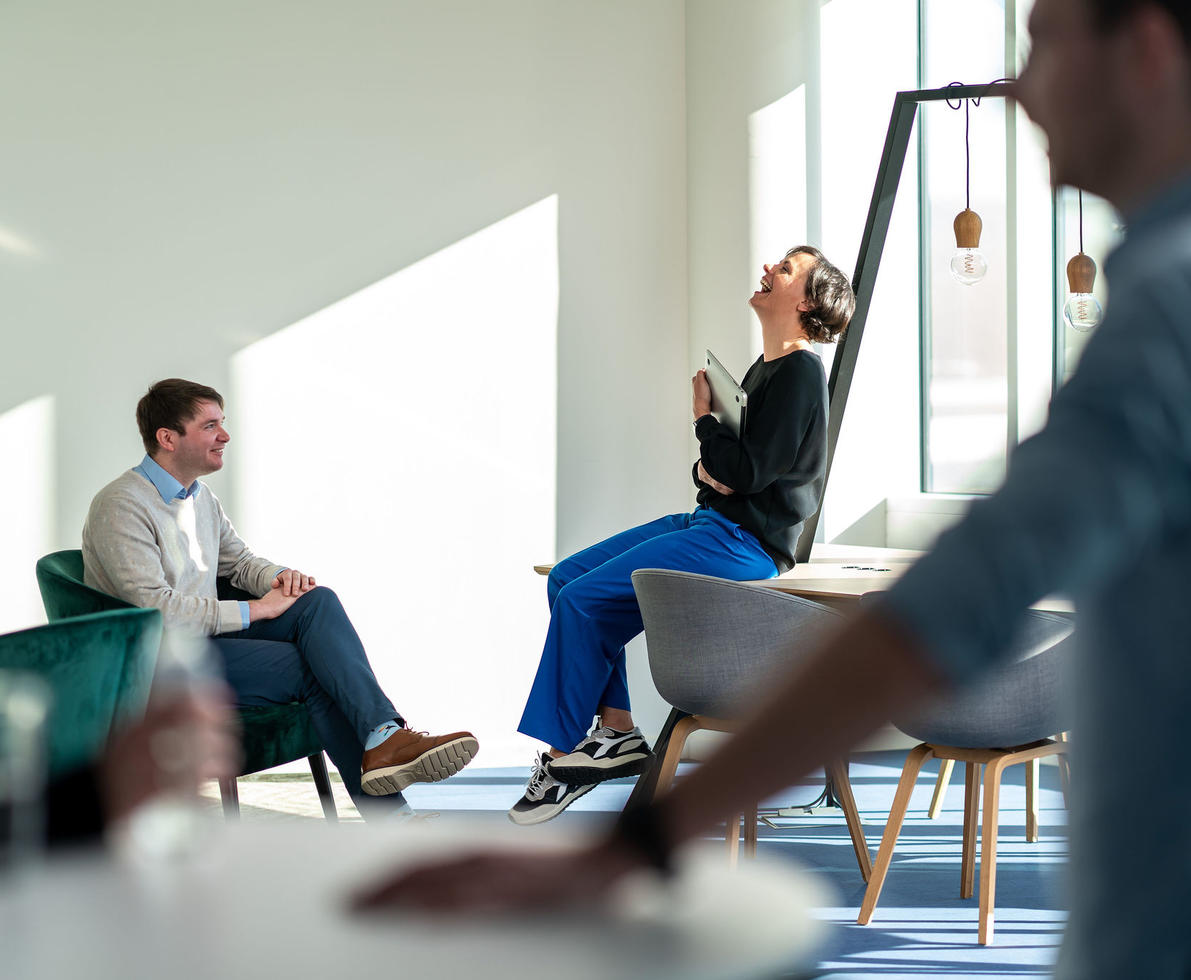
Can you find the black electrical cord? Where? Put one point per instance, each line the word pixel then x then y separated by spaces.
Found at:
pixel 967 130
pixel 1081 221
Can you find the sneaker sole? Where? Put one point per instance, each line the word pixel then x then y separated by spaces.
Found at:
pixel 593 772
pixel 528 818
pixel 431 766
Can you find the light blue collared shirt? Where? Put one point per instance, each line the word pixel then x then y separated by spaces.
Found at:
pixel 167 486
pixel 170 489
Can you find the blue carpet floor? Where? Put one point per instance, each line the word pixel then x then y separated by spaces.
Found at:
pixel 921 927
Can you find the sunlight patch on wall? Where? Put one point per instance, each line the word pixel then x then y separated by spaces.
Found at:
pixel 777 182
pixel 27 499
pixel 878 451
pixel 10 241
pixel 400 445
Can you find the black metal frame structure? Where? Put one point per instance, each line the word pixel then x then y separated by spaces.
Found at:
pixel 876 229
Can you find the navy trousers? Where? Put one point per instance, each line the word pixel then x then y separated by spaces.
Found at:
pixel 311 653
pixel 594 613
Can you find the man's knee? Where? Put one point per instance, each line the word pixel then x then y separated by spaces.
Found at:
pixel 319 597
pixel 555 582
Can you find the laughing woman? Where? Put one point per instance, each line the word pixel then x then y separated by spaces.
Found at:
pixel 755 490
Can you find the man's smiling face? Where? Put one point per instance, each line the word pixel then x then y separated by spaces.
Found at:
pixel 199 450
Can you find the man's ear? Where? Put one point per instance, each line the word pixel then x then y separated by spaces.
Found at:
pixel 167 439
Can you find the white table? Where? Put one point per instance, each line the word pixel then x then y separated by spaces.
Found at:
pixel 268 900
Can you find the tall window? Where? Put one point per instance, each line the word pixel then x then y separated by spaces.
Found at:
pixel 992 351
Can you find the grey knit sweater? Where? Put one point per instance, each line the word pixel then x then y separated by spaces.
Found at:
pixel 151 552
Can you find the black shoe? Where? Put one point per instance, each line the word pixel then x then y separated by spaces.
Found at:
pixel 604 754
pixel 545 797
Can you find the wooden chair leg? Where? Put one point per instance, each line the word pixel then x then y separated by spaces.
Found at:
pixel 838 771
pixel 901 800
pixel 732 838
pixel 750 831
pixel 936 801
pixel 967 865
pixel 230 794
pixel 645 788
pixel 322 783
pixel 1032 800
pixel 681 732
pixel 988 849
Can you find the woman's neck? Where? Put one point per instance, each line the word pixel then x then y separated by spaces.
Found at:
pixel 775 347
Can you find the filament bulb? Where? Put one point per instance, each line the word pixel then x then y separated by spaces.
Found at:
pixel 1082 312
pixel 968 265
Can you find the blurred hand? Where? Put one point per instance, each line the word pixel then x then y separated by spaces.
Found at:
pixel 711 481
pixel 700 394
pixel 503 881
pixel 291 582
pixel 176 746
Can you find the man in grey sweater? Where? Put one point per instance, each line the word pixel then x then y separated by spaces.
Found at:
pixel 157 536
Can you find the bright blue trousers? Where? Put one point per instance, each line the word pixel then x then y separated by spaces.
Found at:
pixel 594 613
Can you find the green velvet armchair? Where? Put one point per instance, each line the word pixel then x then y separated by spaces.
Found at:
pixel 98 667
pixel 271 735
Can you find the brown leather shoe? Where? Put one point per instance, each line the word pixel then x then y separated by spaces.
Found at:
pixel 414 757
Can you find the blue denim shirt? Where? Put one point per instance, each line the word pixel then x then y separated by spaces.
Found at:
pixel 1098 506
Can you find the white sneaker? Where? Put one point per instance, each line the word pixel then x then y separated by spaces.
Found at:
pixel 604 754
pixel 545 797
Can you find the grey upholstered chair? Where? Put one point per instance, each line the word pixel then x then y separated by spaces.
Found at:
pixel 1008 716
pixel 713 646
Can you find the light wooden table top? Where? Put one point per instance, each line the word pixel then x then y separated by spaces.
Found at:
pixel 846 572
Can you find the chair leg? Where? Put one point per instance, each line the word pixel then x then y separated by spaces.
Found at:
pixel 838 772
pixel 901 800
pixel 1032 800
pixel 669 766
pixel 732 838
pixel 936 801
pixel 967 865
pixel 646 786
pixel 322 783
pixel 230 794
pixel 750 831
pixel 988 849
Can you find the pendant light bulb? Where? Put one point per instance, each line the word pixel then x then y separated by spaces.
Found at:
pixel 968 264
pixel 1082 312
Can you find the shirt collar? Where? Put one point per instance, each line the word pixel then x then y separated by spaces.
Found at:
pixel 167 486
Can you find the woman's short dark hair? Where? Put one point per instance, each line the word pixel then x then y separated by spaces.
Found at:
pixel 170 404
pixel 830 296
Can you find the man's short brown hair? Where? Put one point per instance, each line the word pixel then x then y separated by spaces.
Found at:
pixel 170 404
pixel 830 296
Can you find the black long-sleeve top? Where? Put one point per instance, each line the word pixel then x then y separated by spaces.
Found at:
pixel 776 467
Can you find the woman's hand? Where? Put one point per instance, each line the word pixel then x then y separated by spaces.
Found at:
pixel 711 481
pixel 700 395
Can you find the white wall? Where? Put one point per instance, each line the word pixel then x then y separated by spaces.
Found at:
pixel 306 205
pixel 188 182
pixel 808 84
